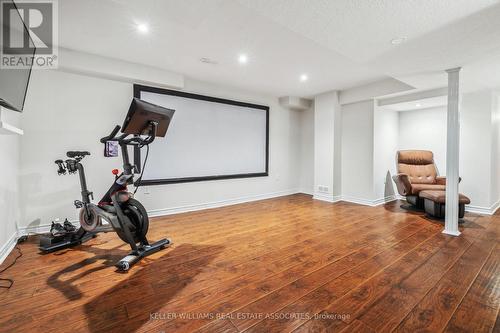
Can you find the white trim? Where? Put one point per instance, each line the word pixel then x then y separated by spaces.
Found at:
pixel 471 209
pixel 483 210
pixel 221 203
pixel 8 247
pixel 36 229
pixel 326 197
pixel 451 233
pixel 359 201
pixel 384 200
pixel 367 202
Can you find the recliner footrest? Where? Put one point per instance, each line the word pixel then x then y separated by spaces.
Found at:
pixel 435 203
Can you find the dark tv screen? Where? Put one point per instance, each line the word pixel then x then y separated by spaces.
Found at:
pixel 13 81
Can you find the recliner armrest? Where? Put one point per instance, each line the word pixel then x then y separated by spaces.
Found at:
pixel 442 180
pixel 403 183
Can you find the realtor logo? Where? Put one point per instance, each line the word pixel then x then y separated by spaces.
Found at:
pixel 29 34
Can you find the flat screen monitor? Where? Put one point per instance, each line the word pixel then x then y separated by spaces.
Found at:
pixel 141 113
pixel 14 81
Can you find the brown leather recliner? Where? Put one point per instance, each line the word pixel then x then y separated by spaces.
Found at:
pixel 417 172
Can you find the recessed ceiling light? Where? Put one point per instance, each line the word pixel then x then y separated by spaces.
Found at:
pixel 143 28
pixel 398 40
pixel 418 105
pixel 304 78
pixel 242 58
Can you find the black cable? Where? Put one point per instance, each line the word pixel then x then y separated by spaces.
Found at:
pixel 138 182
pixel 6 268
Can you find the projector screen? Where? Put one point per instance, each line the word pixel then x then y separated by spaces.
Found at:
pixel 209 138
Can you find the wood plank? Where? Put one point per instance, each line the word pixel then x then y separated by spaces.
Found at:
pixel 479 308
pixel 257 289
pixel 363 296
pixel 41 311
pixel 318 299
pixel 388 311
pixel 275 257
pixel 286 295
pixel 183 257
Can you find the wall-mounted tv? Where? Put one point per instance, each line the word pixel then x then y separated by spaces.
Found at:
pixel 13 81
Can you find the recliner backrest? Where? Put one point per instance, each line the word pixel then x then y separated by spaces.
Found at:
pixel 418 165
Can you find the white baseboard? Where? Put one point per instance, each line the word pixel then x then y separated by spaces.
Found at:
pixel 8 247
pixel 471 208
pixel 368 202
pixel 359 201
pixel 221 203
pixel 36 229
pixel 452 233
pixel 384 200
pixel 483 210
pixel 326 197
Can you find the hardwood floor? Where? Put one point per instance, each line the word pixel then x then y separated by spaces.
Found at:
pixel 280 265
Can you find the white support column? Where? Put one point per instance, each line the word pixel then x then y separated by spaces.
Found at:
pixel 452 152
pixel 326 146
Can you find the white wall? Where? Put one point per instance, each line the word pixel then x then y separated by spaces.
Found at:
pixel 67 111
pixel 370 138
pixel 475 147
pixel 495 150
pixel 385 146
pixel 479 141
pixel 9 196
pixel 327 136
pixel 357 151
pixel 71 112
pixel 307 151
pixel 425 130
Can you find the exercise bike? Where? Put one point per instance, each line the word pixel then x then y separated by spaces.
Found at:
pixel 117 211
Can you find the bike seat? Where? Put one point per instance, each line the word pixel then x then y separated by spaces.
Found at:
pixel 76 153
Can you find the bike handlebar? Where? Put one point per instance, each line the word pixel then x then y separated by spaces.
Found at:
pixel 122 139
pixel 112 135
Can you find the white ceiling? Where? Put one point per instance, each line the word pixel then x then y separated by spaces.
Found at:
pixel 339 44
pixel 419 104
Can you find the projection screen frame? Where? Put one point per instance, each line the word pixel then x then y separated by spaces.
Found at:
pixel 138 89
